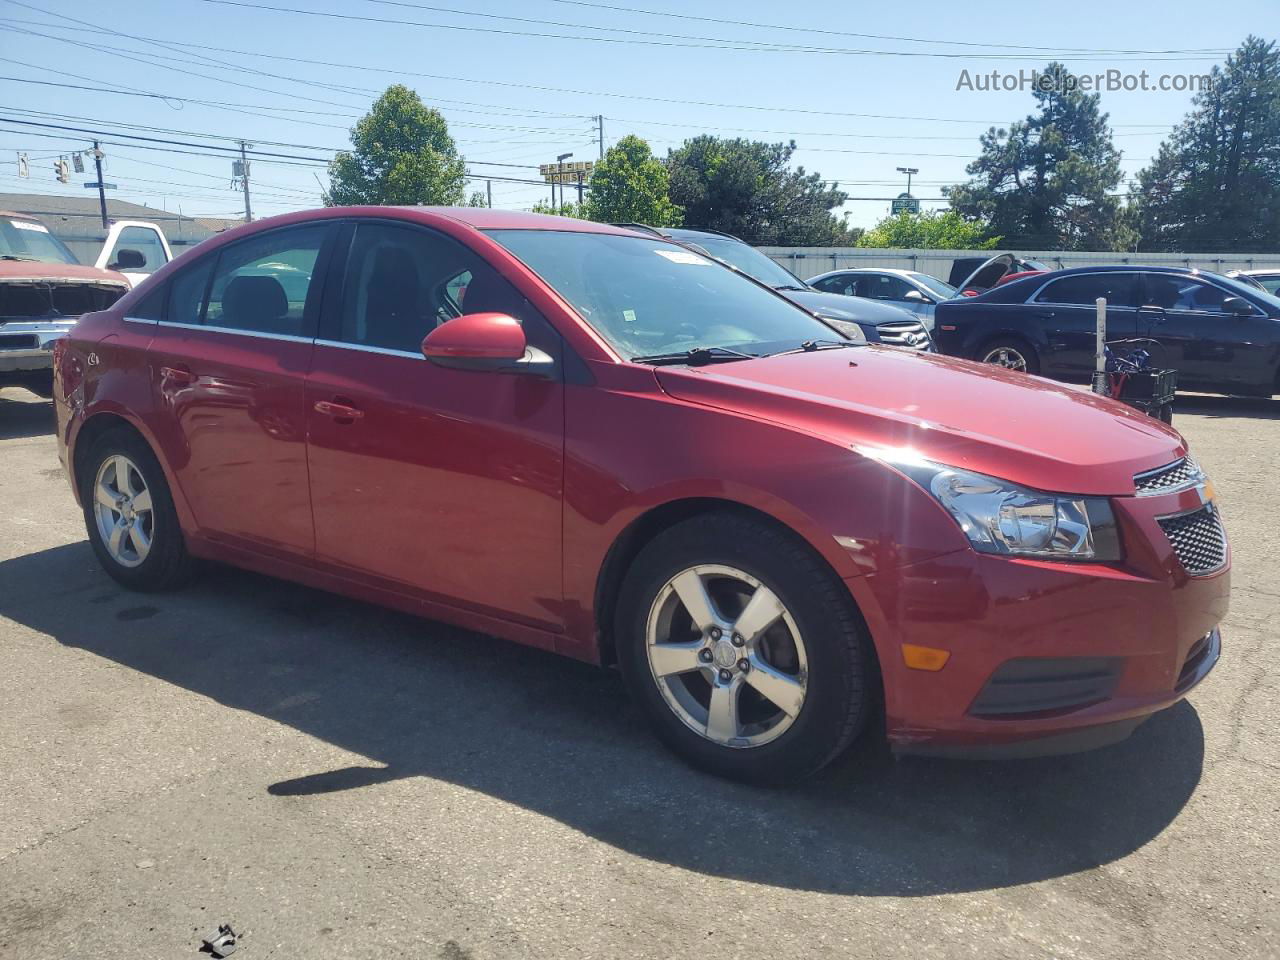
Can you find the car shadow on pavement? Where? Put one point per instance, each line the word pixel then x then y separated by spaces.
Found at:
pixel 22 417
pixel 420 699
pixel 1204 405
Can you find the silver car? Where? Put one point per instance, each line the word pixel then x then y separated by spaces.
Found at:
pixel 917 292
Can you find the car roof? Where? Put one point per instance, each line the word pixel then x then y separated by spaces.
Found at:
pixel 479 218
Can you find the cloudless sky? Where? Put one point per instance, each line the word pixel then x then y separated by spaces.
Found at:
pixel 487 83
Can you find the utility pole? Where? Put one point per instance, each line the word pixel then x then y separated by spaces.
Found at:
pixel 244 182
pixel 559 176
pixel 102 187
pixel 579 188
pixel 600 127
pixel 488 189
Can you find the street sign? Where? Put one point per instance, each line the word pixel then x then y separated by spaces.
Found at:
pixel 905 203
pixel 567 172
pixel 95 185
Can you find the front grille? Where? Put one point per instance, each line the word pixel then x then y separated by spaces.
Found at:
pixel 911 334
pixel 16 341
pixel 1168 479
pixel 1198 539
pixel 1034 685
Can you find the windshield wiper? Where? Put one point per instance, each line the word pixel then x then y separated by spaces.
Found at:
pixel 695 357
pixel 11 256
pixel 791 286
pixel 809 346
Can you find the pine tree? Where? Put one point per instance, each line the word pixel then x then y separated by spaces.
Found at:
pixel 1214 185
pixel 1047 181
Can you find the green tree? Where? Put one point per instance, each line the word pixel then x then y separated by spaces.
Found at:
pixel 746 188
pixel 1046 182
pixel 935 230
pixel 1214 185
pixel 402 154
pixel 630 185
pixel 567 208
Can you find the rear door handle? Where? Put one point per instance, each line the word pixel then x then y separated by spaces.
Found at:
pixel 178 375
pixel 341 412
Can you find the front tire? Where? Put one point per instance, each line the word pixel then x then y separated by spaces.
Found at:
pixel 1012 353
pixel 129 514
pixel 744 649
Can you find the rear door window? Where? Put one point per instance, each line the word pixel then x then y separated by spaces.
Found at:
pixel 1119 289
pixel 263 284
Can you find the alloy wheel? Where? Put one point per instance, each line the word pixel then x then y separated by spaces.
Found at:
pixel 726 655
pixel 1011 358
pixel 122 509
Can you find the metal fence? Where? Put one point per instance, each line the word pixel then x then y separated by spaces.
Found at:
pixel 806 262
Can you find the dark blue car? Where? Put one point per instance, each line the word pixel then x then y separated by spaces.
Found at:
pixel 1221 335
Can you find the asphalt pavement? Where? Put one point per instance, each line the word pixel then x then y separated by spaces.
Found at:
pixel 335 780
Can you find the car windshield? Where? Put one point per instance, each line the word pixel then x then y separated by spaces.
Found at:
pixel 648 296
pixel 29 240
pixel 749 260
pixel 945 291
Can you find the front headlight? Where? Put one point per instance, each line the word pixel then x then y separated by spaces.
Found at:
pixel 849 329
pixel 1001 517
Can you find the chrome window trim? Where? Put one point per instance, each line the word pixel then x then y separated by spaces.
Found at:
pixel 364 348
pixel 1098 273
pixel 143 322
pixel 209 328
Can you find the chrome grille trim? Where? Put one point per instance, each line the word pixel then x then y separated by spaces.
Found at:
pixel 1198 539
pixel 1180 475
pixel 901 333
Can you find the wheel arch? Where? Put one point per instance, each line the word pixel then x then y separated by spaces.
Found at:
pixel 661 517
pixel 103 421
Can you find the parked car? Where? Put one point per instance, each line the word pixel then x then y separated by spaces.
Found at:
pixel 993 272
pixel 1221 335
pixel 856 319
pixel 616 450
pixel 1268 280
pixel 915 292
pixel 973 275
pixel 42 292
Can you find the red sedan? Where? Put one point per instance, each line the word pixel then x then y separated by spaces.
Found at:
pixel 603 444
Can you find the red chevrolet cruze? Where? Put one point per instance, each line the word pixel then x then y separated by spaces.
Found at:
pixel 603 444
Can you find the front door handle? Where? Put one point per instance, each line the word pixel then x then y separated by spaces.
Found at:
pixel 340 412
pixel 178 375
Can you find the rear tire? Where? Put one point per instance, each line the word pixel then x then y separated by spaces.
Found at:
pixel 129 514
pixel 1010 352
pixel 775 625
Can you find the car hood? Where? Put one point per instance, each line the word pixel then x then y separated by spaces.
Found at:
pixel 29 270
pixel 980 417
pixel 839 307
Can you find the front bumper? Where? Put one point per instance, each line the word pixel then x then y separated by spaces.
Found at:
pixel 28 346
pixel 1045 657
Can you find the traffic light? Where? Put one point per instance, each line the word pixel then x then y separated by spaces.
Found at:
pixel 64 171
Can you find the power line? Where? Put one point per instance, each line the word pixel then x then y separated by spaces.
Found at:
pixel 561 90
pixel 667 14
pixel 699 42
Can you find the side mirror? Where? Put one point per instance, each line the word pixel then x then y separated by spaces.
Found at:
pixel 915 296
pixel 1237 306
pixel 476 341
pixel 128 259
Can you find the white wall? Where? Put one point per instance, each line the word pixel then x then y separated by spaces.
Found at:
pixel 808 262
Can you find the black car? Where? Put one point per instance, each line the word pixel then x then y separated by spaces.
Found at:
pixel 855 317
pixel 1222 336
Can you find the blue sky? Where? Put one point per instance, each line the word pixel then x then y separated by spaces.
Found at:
pixel 487 84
